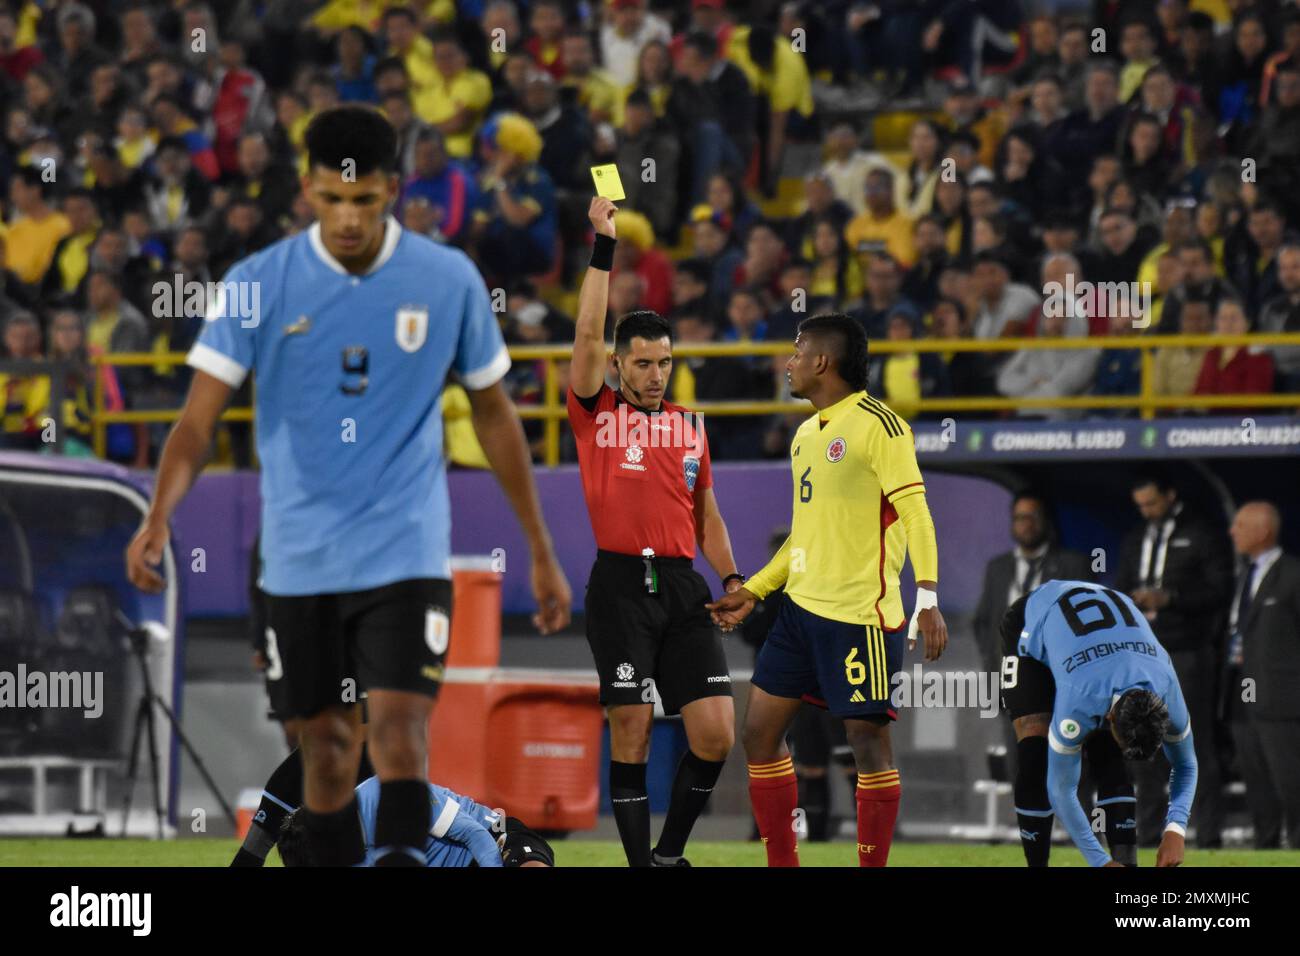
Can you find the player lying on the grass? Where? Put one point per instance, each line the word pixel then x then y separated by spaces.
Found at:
pixel 282 797
pixel 1082 658
pixel 464 833
pixel 859 507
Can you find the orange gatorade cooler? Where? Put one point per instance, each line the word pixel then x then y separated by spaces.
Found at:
pixel 523 740
pixel 475 614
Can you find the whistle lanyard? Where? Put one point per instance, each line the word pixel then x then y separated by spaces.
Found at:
pixel 651 580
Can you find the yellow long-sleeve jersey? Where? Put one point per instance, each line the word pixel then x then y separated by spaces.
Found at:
pixel 859 509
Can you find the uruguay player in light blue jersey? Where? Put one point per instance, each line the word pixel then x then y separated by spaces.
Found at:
pixel 1087 661
pixel 462 830
pixel 351 329
pixel 464 833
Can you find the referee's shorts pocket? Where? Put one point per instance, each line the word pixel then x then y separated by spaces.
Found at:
pixel 624 644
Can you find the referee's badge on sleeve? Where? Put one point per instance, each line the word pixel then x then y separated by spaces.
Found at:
pixel 412 327
pixel 690 471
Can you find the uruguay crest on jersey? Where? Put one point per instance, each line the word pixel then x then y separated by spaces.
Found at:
pixel 412 327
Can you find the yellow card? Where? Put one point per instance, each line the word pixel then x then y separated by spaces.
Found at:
pixel 608 185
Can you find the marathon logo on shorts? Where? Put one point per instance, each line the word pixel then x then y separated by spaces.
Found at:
pixel 691 471
pixel 835 450
pixel 624 672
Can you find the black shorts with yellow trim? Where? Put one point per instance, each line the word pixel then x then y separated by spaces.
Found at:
pixel 846 668
pixel 327 650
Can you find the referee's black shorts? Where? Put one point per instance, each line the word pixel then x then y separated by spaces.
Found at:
pixel 330 648
pixel 666 640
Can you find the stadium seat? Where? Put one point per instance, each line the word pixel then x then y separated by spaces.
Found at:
pixel 86 638
pixel 890 130
pixel 788 201
pixel 19 625
pixel 86 621
pixel 20 643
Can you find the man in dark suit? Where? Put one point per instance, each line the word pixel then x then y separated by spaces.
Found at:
pixel 1176 568
pixel 1035 558
pixel 1263 706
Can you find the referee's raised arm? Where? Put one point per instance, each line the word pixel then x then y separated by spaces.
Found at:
pixel 587 371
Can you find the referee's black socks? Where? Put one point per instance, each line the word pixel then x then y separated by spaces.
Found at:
pixel 402 826
pixel 627 793
pixel 1115 796
pixel 692 787
pixel 1033 808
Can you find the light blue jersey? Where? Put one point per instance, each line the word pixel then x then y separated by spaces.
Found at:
pixel 1098 645
pixel 462 831
pixel 349 377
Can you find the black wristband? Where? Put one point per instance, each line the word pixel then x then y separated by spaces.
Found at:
pixel 602 253
pixel 734 574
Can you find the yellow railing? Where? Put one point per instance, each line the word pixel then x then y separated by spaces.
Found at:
pixel 552 411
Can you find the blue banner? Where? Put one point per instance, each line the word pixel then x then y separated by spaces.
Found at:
pixel 953 440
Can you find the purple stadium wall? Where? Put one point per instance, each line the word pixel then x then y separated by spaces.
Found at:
pixel 220 516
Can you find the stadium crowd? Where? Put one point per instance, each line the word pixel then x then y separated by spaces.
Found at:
pixel 952 160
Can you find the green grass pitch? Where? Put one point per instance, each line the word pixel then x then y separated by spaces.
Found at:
pixel 218 852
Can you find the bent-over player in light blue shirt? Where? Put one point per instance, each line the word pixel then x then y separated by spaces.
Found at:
pixel 1109 670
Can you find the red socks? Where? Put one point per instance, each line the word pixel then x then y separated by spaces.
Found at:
pixel 877 799
pixel 774 793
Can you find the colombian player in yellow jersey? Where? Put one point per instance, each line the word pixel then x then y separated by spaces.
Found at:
pixel 859 508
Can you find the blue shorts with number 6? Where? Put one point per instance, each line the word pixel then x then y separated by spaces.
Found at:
pixel 846 668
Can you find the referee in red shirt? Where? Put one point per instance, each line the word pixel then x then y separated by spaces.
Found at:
pixel 649 490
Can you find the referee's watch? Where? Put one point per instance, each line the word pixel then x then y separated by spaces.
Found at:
pixel 736 575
